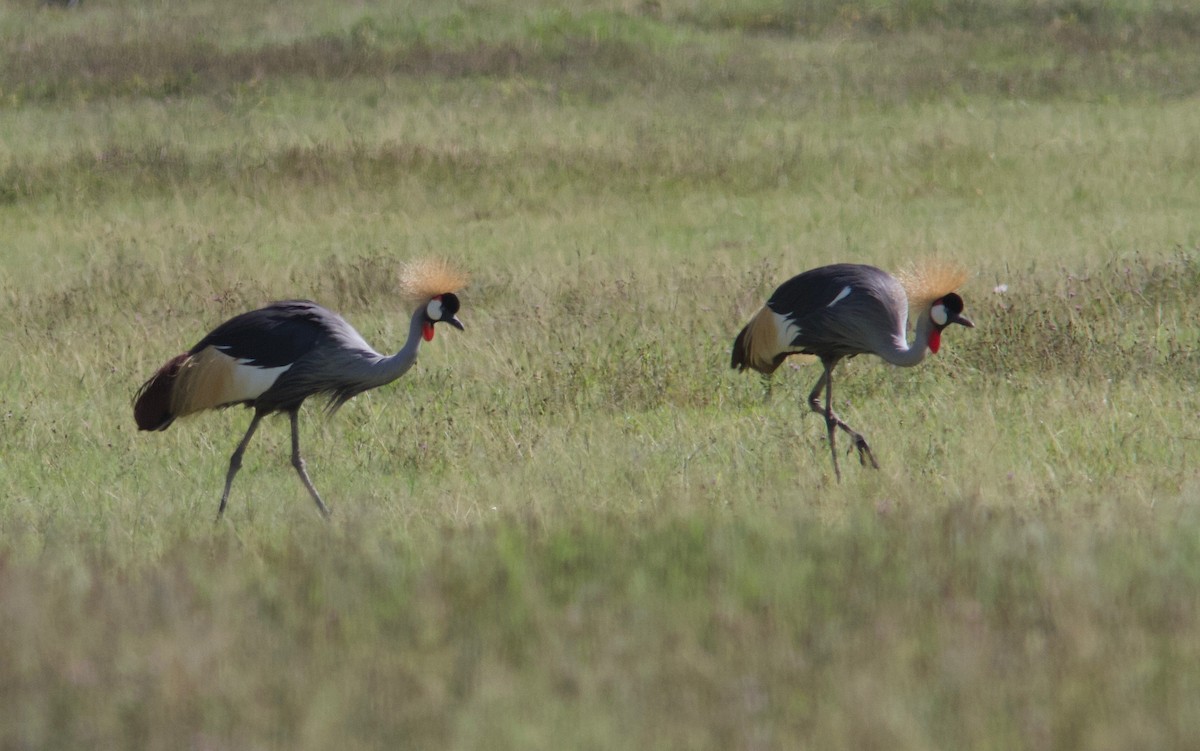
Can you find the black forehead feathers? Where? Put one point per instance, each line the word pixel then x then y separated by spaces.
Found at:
pixel 449 305
pixel 953 303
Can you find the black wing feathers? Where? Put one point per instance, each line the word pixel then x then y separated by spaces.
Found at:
pixel 270 337
pixel 832 321
pixel 814 290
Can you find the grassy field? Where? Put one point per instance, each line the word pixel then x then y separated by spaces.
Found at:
pixel 572 526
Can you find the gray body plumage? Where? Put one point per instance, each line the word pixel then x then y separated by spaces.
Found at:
pixel 838 311
pixel 274 358
pixel 339 363
pixel 845 310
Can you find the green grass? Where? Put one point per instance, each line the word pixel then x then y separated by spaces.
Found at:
pixel 572 526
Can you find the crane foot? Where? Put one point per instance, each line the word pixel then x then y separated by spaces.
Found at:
pixel 864 451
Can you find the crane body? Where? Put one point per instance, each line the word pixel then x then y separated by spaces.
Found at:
pixel 842 310
pixel 274 358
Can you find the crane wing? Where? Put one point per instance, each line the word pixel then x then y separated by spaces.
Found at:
pixel 842 309
pixel 270 337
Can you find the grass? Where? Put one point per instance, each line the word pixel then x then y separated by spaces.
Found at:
pixel 572 525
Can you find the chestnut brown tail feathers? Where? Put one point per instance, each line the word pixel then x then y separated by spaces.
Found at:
pixel 756 347
pixel 152 404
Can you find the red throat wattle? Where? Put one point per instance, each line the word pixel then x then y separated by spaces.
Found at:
pixel 935 340
pixel 428 332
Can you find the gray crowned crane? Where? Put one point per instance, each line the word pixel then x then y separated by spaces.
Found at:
pixel 849 309
pixel 273 358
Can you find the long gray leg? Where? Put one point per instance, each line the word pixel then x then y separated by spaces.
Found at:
pixel 235 461
pixel 298 463
pixel 832 421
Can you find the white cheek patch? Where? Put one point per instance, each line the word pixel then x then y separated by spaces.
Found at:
pixel 938 314
pixel 841 296
pixel 434 310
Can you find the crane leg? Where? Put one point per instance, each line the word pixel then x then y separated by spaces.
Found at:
pixel 298 463
pixel 832 421
pixel 235 461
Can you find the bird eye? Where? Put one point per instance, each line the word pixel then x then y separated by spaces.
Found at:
pixel 434 309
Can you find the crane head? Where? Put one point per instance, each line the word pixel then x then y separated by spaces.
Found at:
pixel 944 311
pixel 441 308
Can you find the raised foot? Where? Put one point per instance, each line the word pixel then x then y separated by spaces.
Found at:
pixel 864 451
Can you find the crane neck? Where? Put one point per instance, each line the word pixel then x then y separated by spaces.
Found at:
pixel 380 369
pixel 416 332
pixel 906 355
pixel 408 353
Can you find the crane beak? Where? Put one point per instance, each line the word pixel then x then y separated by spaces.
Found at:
pixel 453 321
pixel 962 320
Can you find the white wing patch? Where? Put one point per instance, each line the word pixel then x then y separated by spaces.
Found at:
pixel 210 378
pixel 840 296
pixel 250 381
pixel 787 330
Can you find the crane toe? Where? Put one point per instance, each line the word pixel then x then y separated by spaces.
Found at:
pixel 864 450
